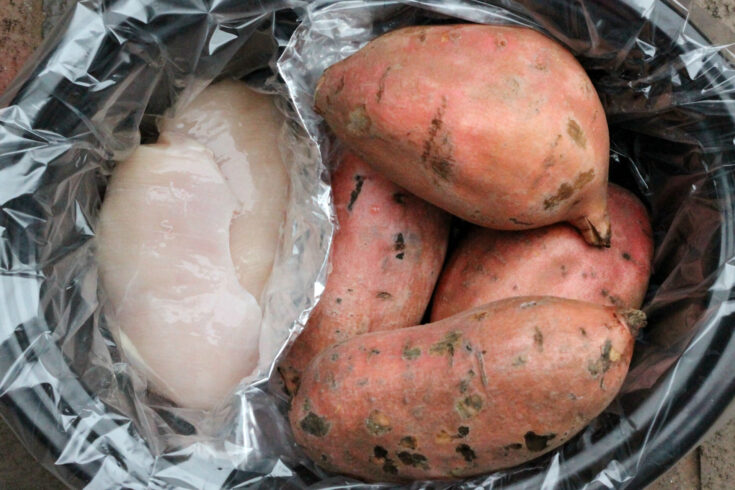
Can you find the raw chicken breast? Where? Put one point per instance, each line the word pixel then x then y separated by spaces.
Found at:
pixel 241 128
pixel 179 312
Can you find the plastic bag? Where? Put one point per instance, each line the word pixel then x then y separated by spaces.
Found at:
pixel 668 95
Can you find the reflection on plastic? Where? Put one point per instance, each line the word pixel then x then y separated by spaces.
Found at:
pixel 114 68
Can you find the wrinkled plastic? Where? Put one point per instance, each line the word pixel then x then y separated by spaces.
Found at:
pixel 117 66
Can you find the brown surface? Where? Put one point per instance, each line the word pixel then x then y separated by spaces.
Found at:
pixel 684 476
pixel 717 460
pixel 18 470
pixel 710 467
pixel 20 33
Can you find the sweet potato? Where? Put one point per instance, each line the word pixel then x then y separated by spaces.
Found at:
pixel 490 265
pixel 386 257
pixel 497 125
pixel 489 388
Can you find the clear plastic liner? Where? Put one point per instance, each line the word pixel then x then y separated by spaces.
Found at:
pixel 113 68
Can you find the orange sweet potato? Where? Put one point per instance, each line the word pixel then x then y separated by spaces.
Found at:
pixel 490 265
pixel 489 388
pixel 386 257
pixel 497 125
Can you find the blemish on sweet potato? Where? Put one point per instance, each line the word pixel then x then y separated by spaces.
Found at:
pixel 538 338
pixel 411 353
pixel 399 198
pixel 437 149
pixel 614 355
pixel 458 472
pixel 480 315
pixel 463 431
pixel 469 406
pixel 606 348
pixel 380 453
pixel 527 304
pixel 390 467
pixel 340 85
pixel 535 442
pixel 408 442
pixel 616 301
pixel 334 356
pixel 447 345
pixel 359 181
pixel 381 85
pixel 434 127
pixel 359 122
pixel 416 460
pixel 442 167
pixel 330 380
pixel 464 385
pixel 443 437
pixel 603 363
pixel 467 453
pixel 574 130
pixel 483 371
pixel 373 352
pixel 519 360
pixel 519 222
pixel 514 446
pixel 384 295
pixel 512 87
pixel 566 190
pixel 378 423
pixel 338 301
pixel 399 243
pixel 315 425
pixel 626 256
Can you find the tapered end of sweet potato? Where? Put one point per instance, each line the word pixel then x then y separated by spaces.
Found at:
pixel 291 379
pixel 635 319
pixel 595 230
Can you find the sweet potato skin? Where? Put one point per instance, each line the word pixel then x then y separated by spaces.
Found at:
pixel 448 400
pixel 498 125
pixel 386 258
pixel 490 265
